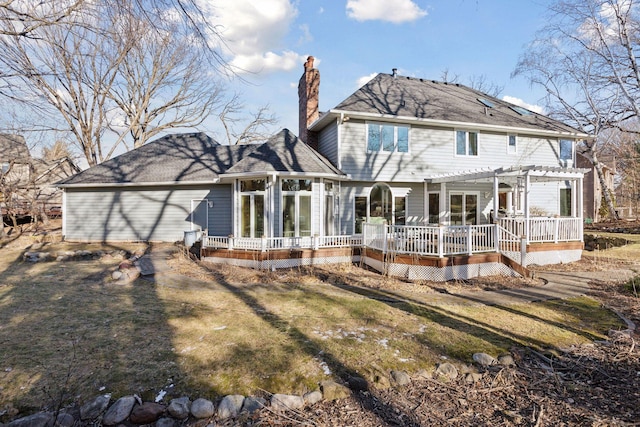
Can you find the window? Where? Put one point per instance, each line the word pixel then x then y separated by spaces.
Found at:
pixel 296 207
pixel 400 213
pixel 512 147
pixel 330 209
pixel 380 209
pixel 565 202
pixel 464 209
pixel 386 137
pixel 434 208
pixel 466 143
pixel 252 207
pixel 361 213
pixel 566 149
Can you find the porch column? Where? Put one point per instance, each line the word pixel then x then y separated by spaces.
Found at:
pixel 496 232
pixel 527 184
pixel 443 203
pixel 579 207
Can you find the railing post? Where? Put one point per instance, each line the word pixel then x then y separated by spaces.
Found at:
pixel 441 241
pixel 315 242
pixel 385 237
pixel 496 237
pixel 263 243
pixel 231 242
pixel 469 241
pixel 556 232
pixel 523 252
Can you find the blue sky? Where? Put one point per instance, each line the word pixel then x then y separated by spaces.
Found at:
pixel 353 39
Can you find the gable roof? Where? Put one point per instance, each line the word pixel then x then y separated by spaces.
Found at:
pixel 195 158
pixel 412 99
pixel 13 148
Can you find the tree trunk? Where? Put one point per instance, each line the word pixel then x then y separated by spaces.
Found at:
pixel 606 191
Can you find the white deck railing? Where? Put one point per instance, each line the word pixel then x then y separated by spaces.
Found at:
pixel 544 230
pixel 507 237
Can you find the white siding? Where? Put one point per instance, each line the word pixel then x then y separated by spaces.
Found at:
pixel 328 143
pixel 432 151
pixel 141 214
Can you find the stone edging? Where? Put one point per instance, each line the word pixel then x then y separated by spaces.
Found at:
pixel 133 410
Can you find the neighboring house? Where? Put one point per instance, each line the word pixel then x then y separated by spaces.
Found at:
pixel 593 201
pixel 413 177
pixel 27 183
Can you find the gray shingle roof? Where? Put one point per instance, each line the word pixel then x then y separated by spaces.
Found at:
pixel 197 158
pixel 429 99
pixel 13 147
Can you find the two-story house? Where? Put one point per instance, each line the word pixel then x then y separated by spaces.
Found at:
pixel 414 177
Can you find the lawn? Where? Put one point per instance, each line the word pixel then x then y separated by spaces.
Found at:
pixel 68 333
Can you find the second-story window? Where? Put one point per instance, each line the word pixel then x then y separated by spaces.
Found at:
pixel 512 147
pixel 466 143
pixel 566 149
pixel 387 137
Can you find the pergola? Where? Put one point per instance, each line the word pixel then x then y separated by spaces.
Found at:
pixel 519 177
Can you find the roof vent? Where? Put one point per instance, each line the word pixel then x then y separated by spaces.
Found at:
pixel 394 72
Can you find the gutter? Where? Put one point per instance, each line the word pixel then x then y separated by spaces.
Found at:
pixel 136 184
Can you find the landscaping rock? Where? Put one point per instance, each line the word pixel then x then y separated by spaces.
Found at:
pixel 202 408
pixel 506 360
pixel 483 359
pixel 331 390
pixel 179 408
pixel 312 397
pixel 41 419
pixel 472 377
pixel 284 402
pixel 119 411
pixel 147 413
pixel 65 419
pixel 166 422
pixel 230 406
pixel 447 370
pixel 401 378
pixel 424 374
pixel 92 410
pixel 252 404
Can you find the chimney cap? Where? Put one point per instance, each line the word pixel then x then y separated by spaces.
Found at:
pixel 394 72
pixel 309 64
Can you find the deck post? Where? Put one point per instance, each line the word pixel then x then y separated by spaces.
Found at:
pixel 263 243
pixel 231 242
pixel 441 241
pixel 469 241
pixel 556 232
pixel 523 251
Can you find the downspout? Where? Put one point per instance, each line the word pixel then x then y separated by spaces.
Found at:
pixel 64 213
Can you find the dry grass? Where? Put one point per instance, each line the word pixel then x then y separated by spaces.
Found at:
pixel 211 331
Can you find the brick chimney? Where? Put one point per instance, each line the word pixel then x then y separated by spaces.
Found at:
pixel 308 97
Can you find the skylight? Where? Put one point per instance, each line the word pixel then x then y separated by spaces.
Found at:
pixel 486 102
pixel 520 110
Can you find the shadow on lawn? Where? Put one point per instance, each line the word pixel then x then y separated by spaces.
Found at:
pixel 500 336
pixel 384 412
pixel 66 335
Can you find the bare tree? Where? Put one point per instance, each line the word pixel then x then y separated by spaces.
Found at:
pixel 240 129
pixel 21 18
pixel 585 59
pixel 160 83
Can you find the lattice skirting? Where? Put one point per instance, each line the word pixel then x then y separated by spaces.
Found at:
pixel 440 274
pixel 274 264
pixel 553 257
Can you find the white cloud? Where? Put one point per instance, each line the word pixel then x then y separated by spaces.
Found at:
pixel 365 79
pixel 517 101
pixel 253 33
pixel 396 11
pixel 267 62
